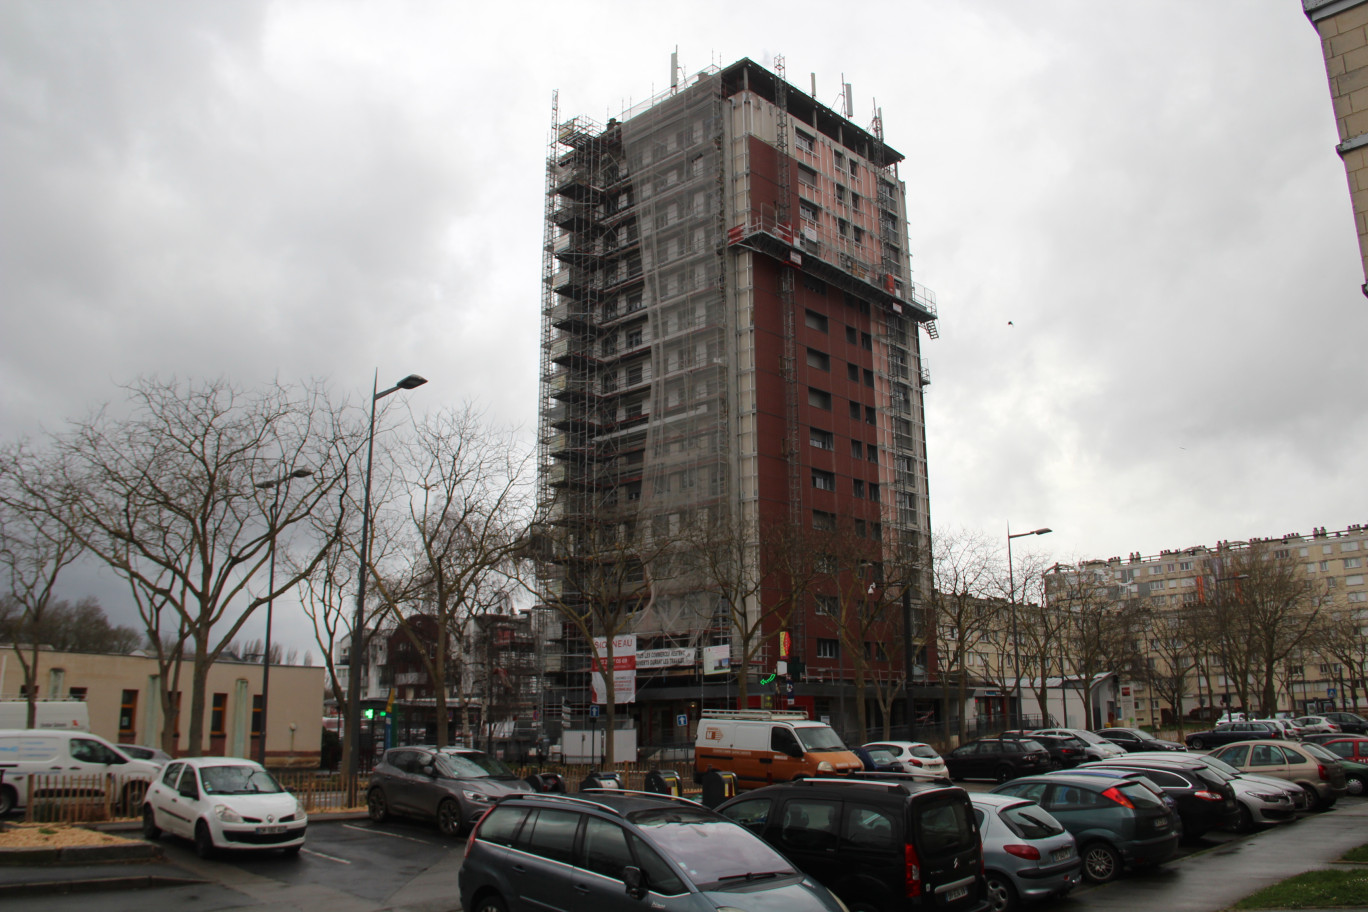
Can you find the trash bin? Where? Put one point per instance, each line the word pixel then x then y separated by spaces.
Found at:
pixel 718 786
pixel 665 782
pixel 546 782
pixel 601 780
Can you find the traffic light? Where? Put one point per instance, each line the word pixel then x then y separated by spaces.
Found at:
pixel 368 714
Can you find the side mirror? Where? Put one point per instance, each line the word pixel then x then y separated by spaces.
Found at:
pixel 430 771
pixel 635 880
pixel 794 750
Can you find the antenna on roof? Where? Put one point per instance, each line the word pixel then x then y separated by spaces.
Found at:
pixel 674 69
pixel 847 104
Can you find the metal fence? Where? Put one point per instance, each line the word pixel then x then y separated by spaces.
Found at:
pixel 79 798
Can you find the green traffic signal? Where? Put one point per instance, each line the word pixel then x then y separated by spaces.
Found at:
pixel 368 713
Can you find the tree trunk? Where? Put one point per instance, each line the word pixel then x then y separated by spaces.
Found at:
pixel 610 711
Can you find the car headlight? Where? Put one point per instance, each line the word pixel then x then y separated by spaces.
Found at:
pixel 477 797
pixel 825 767
pixel 1266 796
pixel 300 813
pixel 226 814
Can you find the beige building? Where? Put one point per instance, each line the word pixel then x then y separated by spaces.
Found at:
pixel 1343 29
pixel 122 694
pixel 1334 570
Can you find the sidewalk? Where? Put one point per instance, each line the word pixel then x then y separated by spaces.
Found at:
pixel 1220 877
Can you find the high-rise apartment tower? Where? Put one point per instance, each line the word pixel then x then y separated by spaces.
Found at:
pixel 730 329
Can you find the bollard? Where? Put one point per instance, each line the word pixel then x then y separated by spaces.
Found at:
pixel 664 782
pixel 718 786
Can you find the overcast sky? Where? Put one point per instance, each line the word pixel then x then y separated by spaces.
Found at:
pixel 1131 213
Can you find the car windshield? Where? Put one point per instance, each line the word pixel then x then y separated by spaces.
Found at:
pixel 237 780
pixel 711 851
pixel 1217 763
pixel 1030 821
pixel 819 738
pixel 1090 737
pixel 475 766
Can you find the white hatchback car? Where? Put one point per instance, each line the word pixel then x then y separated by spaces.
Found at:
pixel 915 756
pixel 224 803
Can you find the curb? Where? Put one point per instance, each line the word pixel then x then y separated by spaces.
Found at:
pixel 79 855
pixel 92 885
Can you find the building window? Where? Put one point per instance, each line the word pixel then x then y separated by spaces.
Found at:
pixel 868 377
pixel 873 454
pixel 823 481
pixel 869 414
pixel 819 399
pixel 853 373
pixel 854 411
pixel 874 491
pixel 827 604
pixel 861 528
pixel 819 360
pixel 814 320
pixel 866 341
pixel 1355 580
pixel 77 693
pixel 809 211
pixel 823 521
pixel 859 489
pixel 1351 563
pixel 828 649
pixel 128 712
pixel 805 141
pixel 856 449
pixel 855 204
pixel 852 336
pixel 807 176
pixel 822 440
pixel 218 715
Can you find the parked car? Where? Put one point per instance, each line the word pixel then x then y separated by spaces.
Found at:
pixel 1230 732
pixel 615 850
pixel 1316 724
pixel 150 754
pixel 1117 823
pixel 1264 800
pixel 879 759
pixel 452 786
pixel 224 803
pixel 1027 854
pixel 1291 730
pixel 916 756
pixel 885 846
pixel 1323 780
pixel 766 746
pixel 1205 800
pixel 1132 740
pixel 1347 747
pixel 1322 737
pixel 1355 770
pixel 1099 748
pixel 1066 751
pixel 996 758
pixel 1349 723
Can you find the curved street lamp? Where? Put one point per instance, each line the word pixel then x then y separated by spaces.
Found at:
pixel 1011 594
pixel 412 381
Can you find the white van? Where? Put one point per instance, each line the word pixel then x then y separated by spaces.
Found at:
pixel 766 746
pixel 54 715
pixel 61 762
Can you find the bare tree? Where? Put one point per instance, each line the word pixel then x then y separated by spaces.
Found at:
pixel 964 567
pixel 1038 628
pixel 761 572
pixel 1262 610
pixel 467 509
pixel 1089 617
pixel 597 577
pixel 169 496
pixel 35 547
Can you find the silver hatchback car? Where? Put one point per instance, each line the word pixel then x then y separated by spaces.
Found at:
pixel 453 786
pixel 1027 854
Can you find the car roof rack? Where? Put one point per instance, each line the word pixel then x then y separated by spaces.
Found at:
pixel 639 793
pixel 761 715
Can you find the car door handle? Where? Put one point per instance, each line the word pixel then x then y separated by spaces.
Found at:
pixel 519 869
pixel 582 889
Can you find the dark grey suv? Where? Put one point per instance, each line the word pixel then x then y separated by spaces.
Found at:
pixel 451 785
pixel 611 850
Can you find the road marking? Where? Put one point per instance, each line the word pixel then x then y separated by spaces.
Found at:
pixel 329 857
pixel 362 829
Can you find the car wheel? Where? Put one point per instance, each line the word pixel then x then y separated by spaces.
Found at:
pixel 1245 823
pixel 449 817
pixel 8 799
pixel 1354 785
pixel 376 805
pixel 150 829
pixel 1313 799
pixel 1101 863
pixel 131 796
pixel 1003 774
pixel 490 902
pixel 1002 895
pixel 1196 744
pixel 1055 764
pixel 204 840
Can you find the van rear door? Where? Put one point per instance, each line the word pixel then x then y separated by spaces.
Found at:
pixel 944 835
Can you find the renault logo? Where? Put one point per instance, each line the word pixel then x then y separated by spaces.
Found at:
pixel 270 818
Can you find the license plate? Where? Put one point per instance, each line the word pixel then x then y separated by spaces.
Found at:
pixel 1161 824
pixel 1062 854
pixel 955 894
pixel 268 830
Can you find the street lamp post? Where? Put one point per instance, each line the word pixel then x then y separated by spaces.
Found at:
pixel 1011 594
pixel 274 487
pixel 412 381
